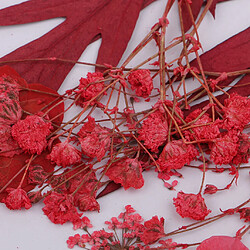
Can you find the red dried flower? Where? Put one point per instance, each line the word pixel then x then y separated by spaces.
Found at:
pixel 31 133
pixel 200 129
pixel 16 199
pixel 244 213
pixel 8 146
pixel 210 189
pixel 222 243
pixel 154 131
pixel 141 81
pixel 237 112
pixel 176 154
pixel 89 87
pixel 153 230
pixel 10 109
pixel 127 172
pixel 64 154
pixel 224 149
pixel 191 205
pixel 243 152
pixel 36 175
pixel 95 140
pixel 86 202
pixel 59 208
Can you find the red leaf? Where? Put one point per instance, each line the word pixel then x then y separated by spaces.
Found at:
pixel 111 187
pixel 195 7
pixel 10 166
pixel 227 57
pixel 86 21
pixel 34 102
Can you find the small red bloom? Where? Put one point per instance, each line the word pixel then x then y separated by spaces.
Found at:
pixel 244 213
pixel 59 208
pixel 243 152
pixel 200 129
pixel 10 109
pixel 64 154
pixel 16 199
pixel 154 131
pixel 224 149
pixel 89 87
pixel 191 205
pixel 176 154
pixel 210 189
pixel 141 81
pixel 237 112
pixel 36 175
pixel 86 202
pixel 153 230
pixel 94 139
pixel 126 171
pixel 222 243
pixel 31 133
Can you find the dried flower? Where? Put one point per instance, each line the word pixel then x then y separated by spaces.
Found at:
pixel 141 81
pixel 176 154
pixel 10 109
pixel 59 208
pixel 154 131
pixel 191 205
pixel 94 139
pixel 16 199
pixel 36 175
pixel 237 112
pixel 222 242
pixel 64 154
pixel 200 129
pixel 31 133
pixel 153 230
pixel 127 172
pixel 86 202
pixel 243 152
pixel 224 149
pixel 89 87
pixel 244 213
pixel 210 189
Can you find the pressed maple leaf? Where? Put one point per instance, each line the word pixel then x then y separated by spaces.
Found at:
pixel 195 6
pixel 86 21
pixel 228 56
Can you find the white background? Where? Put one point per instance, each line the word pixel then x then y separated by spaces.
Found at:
pixel 27 230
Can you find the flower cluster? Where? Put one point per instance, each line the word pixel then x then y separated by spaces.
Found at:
pixel 136 234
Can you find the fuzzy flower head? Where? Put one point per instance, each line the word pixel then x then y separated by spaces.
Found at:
pixel 244 213
pixel 191 205
pixel 237 112
pixel 154 131
pixel 153 230
pixel 89 87
pixel 224 149
pixel 141 81
pixel 94 139
pixel 176 154
pixel 64 154
pixel 127 172
pixel 10 109
pixel 200 129
pixel 16 199
pixel 59 208
pixel 31 133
